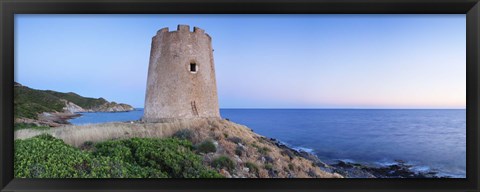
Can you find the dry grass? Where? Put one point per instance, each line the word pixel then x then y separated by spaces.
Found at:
pixel 77 135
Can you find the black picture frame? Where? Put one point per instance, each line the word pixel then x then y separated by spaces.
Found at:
pixel 8 8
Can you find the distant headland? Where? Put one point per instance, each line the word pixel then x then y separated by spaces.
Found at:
pixel 53 109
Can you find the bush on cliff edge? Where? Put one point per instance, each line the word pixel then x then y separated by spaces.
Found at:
pixel 47 157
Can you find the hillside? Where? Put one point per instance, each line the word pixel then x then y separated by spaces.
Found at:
pixel 32 104
pixel 28 103
pixel 230 149
pixel 84 102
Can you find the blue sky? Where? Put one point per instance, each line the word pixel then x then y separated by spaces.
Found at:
pixel 261 61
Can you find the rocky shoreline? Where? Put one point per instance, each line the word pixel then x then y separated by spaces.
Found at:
pixel 57 119
pixel 356 170
pixel 49 119
pixel 398 170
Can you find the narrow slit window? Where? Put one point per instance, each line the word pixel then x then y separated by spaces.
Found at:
pixel 193 67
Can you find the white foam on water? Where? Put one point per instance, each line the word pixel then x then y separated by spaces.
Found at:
pixel 385 163
pixel 305 149
pixel 451 175
pixel 308 150
pixel 421 168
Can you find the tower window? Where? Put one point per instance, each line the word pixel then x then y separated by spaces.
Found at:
pixel 193 67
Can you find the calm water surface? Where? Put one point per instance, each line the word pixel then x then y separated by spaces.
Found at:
pixel 432 140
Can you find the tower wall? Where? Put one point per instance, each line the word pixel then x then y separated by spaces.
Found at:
pixel 173 91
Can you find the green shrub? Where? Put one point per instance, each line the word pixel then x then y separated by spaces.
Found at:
pixel 47 157
pixel 186 134
pixel 223 162
pixel 173 156
pixel 263 150
pixel 206 146
pixel 291 166
pixel 115 149
pixel 239 151
pixel 252 167
pixel 87 145
pixel 268 166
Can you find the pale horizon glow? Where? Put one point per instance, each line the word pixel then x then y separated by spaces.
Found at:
pixel 261 61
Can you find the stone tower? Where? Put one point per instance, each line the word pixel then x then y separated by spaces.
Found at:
pixel 181 76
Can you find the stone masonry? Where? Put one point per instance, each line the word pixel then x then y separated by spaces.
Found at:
pixel 181 76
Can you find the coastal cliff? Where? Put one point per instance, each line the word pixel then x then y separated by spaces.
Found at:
pixel 52 108
pixel 222 147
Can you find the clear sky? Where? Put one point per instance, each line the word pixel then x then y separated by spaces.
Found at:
pixel 261 61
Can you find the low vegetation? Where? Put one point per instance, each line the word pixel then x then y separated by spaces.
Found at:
pixel 186 134
pixel 268 166
pixel 152 150
pixel 252 167
pixel 28 103
pixel 223 162
pixel 19 126
pixel 44 156
pixel 239 151
pixel 206 146
pixel 263 150
pixel 236 140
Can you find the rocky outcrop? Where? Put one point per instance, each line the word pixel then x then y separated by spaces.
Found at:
pixel 398 170
pixel 111 107
pixel 55 119
pixel 71 107
pixel 48 119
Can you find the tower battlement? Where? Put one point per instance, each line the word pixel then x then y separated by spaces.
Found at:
pixel 181 76
pixel 183 29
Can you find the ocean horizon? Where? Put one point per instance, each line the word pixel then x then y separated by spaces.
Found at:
pixel 431 140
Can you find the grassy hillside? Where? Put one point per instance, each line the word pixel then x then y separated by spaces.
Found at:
pixel 29 103
pixel 84 102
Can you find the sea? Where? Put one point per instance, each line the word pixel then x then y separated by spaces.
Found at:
pixel 429 139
